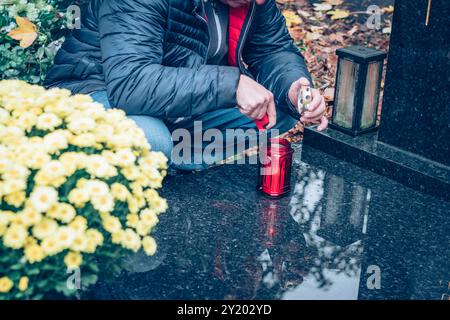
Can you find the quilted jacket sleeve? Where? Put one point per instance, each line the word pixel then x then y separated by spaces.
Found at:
pixel 272 57
pixel 132 35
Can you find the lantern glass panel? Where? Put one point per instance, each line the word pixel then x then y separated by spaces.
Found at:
pixel 371 96
pixel 346 82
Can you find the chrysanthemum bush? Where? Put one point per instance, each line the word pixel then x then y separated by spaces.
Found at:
pixel 77 189
pixel 48 26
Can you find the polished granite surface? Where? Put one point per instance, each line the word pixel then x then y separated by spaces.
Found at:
pixel 343 233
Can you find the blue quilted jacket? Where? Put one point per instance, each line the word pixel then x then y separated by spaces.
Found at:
pixel 150 56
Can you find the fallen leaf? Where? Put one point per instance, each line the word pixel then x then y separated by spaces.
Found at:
pixel 317 28
pixel 322 6
pixel 388 9
pixel 26 32
pixel 292 19
pixel 313 35
pixel 297 33
pixel 338 14
pixel 338 37
pixel 352 30
pixel 335 2
pixel 303 13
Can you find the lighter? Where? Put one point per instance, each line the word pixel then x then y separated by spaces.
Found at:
pixel 304 98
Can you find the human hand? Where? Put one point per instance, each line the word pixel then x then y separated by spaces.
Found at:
pixel 316 110
pixel 255 101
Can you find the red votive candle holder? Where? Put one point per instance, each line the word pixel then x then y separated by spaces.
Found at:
pixel 275 168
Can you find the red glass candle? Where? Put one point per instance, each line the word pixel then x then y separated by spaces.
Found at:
pixel 275 168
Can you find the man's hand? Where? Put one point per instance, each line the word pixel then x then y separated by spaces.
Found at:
pixel 240 3
pixel 316 109
pixel 255 101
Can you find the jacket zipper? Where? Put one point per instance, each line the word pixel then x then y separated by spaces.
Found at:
pixel 206 22
pixel 218 27
pixel 244 37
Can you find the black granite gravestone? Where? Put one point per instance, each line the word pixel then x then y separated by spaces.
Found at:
pixel 416 114
pixel 413 142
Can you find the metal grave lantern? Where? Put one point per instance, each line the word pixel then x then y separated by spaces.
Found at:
pixel 358 84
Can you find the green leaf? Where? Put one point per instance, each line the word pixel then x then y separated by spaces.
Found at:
pixel 89 279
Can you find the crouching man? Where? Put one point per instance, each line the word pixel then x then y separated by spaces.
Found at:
pixel 170 64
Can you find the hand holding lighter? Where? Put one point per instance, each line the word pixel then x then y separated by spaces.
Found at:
pixel 304 98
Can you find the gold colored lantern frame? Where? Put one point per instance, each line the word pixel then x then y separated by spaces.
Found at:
pixel 358 86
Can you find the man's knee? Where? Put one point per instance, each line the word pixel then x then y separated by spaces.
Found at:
pixel 157 134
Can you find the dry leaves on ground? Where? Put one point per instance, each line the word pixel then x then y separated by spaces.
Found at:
pixel 321 28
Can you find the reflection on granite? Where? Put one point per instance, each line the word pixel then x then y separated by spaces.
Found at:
pixel 221 239
pixel 367 152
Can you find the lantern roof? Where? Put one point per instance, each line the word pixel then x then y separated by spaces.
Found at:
pixel 361 54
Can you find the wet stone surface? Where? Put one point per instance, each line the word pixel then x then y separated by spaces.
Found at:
pixel 343 233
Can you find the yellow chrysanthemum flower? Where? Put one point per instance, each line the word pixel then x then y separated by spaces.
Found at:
pixel 42 198
pixel 29 216
pixel 81 125
pixel 95 188
pixel 103 203
pixel 55 141
pixel 131 173
pixel 124 158
pixel 5 284
pixel 131 240
pixel 38 159
pixel 159 205
pixel 73 260
pixel 16 199
pixel 119 192
pixel 149 245
pixel 45 228
pixel 16 171
pixel 23 283
pixel 79 243
pixel 51 246
pixel 13 186
pixel 116 237
pixel 133 205
pixel 95 235
pixel 143 229
pixel 78 225
pixel 84 140
pixel 15 236
pixel 132 220
pixel 79 197
pixel 112 224
pixel 99 167
pixel 65 237
pixel 6 217
pixel 27 120
pixel 149 217
pixel 63 212
pixel 48 121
